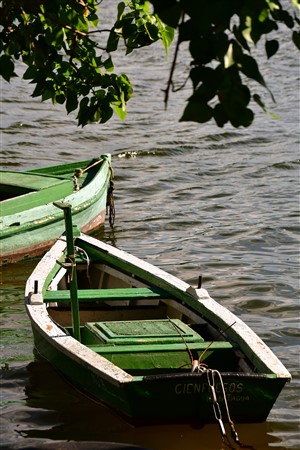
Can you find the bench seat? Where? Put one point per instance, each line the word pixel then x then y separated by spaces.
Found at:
pixel 95 295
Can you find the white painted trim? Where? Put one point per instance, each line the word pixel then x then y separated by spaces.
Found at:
pixel 70 347
pixel 238 331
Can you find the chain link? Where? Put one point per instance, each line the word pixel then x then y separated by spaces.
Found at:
pixel 216 406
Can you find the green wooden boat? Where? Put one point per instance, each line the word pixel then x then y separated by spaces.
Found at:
pixel 29 222
pixel 142 341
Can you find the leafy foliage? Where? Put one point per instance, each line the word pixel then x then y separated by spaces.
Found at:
pixel 69 56
pixel 69 61
pixel 220 35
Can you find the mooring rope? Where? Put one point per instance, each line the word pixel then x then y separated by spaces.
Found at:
pixel 85 257
pixel 110 202
pixel 79 172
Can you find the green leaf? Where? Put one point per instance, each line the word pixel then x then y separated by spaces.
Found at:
pixel 240 38
pixel 83 113
pixel 30 73
pixel 283 16
pixel 168 11
pixel 93 19
pixel 108 64
pixel 244 118
pixel 220 115
pixel 112 41
pixel 228 57
pixel 197 112
pixel 167 35
pixel 39 89
pixel 121 8
pixel 247 30
pixel 7 67
pixel 296 39
pixel 202 49
pixel 259 101
pixel 249 67
pixel 120 110
pixel 59 98
pixel 106 114
pixel 72 101
pixel 46 95
pixel 271 47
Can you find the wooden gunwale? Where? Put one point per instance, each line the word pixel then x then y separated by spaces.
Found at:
pixel 196 299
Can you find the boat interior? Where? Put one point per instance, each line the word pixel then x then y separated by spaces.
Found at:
pixel 38 187
pixel 139 328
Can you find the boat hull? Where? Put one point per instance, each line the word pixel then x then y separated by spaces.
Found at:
pixel 186 397
pixel 30 233
pixel 133 346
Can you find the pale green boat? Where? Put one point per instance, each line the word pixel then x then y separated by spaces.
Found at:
pixel 29 223
pixel 142 341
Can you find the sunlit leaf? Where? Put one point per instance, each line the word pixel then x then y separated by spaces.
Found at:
pixel 246 32
pixel 121 112
pixel 93 20
pixel 296 3
pixel 259 101
pixel 228 58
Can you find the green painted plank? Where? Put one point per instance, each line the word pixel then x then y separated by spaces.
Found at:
pixel 91 295
pixel 219 345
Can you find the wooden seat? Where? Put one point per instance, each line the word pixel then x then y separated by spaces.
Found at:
pixel 96 295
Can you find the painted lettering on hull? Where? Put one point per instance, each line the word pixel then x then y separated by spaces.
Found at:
pixel 234 391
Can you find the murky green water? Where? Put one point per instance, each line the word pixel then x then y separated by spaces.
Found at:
pixel 194 200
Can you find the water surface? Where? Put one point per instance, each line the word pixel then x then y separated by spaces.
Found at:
pixel 192 199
